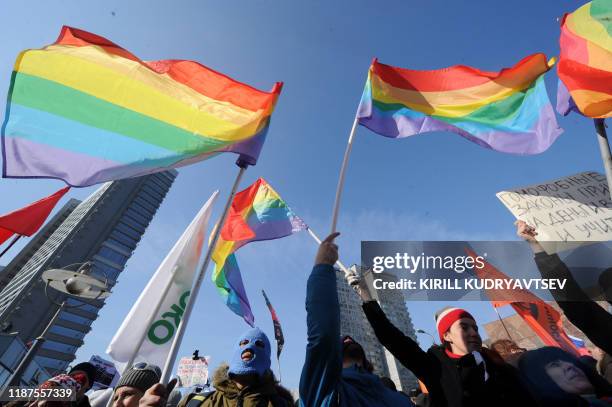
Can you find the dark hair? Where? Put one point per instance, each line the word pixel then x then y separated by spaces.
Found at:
pixel 532 366
pixel 89 369
pixel 354 350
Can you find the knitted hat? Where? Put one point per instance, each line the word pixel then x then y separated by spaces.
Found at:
pixel 447 317
pixel 141 378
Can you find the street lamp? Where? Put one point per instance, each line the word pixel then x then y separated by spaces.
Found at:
pixel 433 338
pixel 74 283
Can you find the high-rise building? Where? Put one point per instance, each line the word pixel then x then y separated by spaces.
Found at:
pixel 6 274
pixel 104 229
pixel 353 322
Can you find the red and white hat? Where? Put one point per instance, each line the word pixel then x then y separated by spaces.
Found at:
pixel 447 317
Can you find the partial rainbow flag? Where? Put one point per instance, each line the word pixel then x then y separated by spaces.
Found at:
pixel 86 111
pixel 257 213
pixel 507 111
pixel 585 61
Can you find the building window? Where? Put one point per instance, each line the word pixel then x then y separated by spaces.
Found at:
pixel 77 319
pixel 80 305
pixel 50 363
pixel 123 238
pixel 112 255
pixel 59 347
pixel 70 333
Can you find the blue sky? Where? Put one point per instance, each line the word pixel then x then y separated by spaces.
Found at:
pixel 436 186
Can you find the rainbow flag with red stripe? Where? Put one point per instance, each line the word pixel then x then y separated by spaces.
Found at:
pixel 86 111
pixel 507 111
pixel 585 61
pixel 257 213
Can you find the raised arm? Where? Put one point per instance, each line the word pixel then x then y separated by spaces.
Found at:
pixel 581 310
pixel 404 348
pixel 323 364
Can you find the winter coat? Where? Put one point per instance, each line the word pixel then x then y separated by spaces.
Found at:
pixel 451 382
pixel 584 313
pixel 605 367
pixel 267 393
pixel 324 382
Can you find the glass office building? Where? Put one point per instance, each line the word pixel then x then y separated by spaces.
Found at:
pixel 105 230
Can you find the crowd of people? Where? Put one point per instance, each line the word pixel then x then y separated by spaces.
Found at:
pixel 460 372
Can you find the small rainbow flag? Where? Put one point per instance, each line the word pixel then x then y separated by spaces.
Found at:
pixel 257 213
pixel 507 111
pixel 86 111
pixel 585 61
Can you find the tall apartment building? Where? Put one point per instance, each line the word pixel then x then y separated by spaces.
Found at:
pixel 104 229
pixel 353 322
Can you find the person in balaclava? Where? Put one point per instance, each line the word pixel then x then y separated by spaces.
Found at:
pixel 246 382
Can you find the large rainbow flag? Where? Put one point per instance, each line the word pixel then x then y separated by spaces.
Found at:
pixel 507 111
pixel 257 213
pixel 585 61
pixel 85 110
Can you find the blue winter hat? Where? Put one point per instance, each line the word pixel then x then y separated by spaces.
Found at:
pixel 254 346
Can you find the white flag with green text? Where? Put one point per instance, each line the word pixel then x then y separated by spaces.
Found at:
pixel 174 277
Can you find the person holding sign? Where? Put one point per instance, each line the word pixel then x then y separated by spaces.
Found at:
pixel 594 321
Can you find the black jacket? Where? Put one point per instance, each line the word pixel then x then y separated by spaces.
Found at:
pixel 450 382
pixel 583 312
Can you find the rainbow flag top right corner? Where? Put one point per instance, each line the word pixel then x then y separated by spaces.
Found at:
pixel 507 111
pixel 585 61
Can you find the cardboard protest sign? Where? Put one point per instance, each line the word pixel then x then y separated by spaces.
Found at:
pixel 193 372
pixel 566 212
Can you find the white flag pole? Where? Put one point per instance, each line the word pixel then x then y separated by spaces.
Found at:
pixel 176 341
pixel 340 186
pixel 346 271
pixel 604 148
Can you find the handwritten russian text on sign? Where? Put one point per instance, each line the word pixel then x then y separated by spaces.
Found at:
pixel 576 208
pixel 193 372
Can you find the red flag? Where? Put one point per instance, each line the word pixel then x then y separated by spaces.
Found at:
pixel 27 220
pixel 541 317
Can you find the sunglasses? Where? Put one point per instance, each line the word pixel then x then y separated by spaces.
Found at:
pixel 146 366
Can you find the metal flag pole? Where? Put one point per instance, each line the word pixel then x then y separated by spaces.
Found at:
pixel 604 148
pixel 340 187
pixel 198 281
pixel 280 376
pixel 15 239
pixel 504 325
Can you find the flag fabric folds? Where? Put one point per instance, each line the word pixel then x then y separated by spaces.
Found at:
pixel 174 277
pixel 585 60
pixel 257 213
pixel 27 220
pixel 86 111
pixel 278 331
pixel 507 111
pixel 542 318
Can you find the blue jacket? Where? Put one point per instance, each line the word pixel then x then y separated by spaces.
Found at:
pixel 324 382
